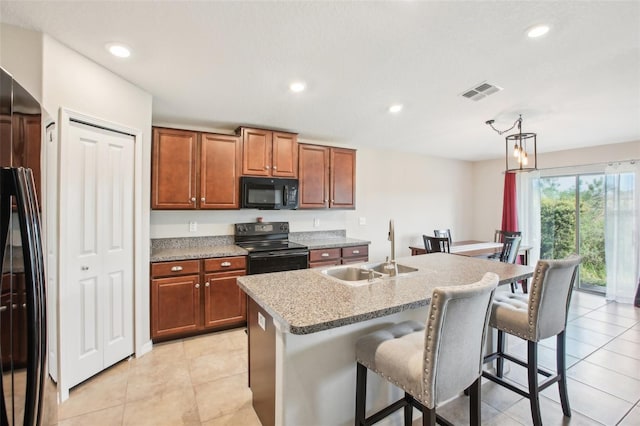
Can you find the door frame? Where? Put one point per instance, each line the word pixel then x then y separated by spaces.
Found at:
pixel 65 117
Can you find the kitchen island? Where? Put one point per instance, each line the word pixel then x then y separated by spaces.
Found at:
pixel 303 326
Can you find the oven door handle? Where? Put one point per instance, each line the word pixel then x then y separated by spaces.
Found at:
pixel 278 254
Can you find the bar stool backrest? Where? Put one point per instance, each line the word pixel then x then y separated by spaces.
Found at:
pixel 550 295
pixel 454 337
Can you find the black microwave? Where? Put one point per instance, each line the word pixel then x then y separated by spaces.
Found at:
pixel 268 193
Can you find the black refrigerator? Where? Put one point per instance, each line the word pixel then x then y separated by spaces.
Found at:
pixel 28 394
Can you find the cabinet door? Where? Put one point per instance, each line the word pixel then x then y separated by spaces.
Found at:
pixel 256 152
pixel 285 155
pixel 175 306
pixel 314 176
pixel 224 302
pixel 219 171
pixel 343 178
pixel 174 169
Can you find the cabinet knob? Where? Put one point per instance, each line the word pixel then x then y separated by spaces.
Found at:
pixel 266 167
pixel 197 285
pixel 225 264
pixel 206 284
pixel 202 199
pixel 325 200
pixel 275 167
pixel 193 199
pixel 325 255
pixel 176 268
pixel 84 268
pixel 356 252
pixel 333 201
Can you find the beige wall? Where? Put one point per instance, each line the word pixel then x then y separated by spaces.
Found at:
pixel 21 56
pixel 488 179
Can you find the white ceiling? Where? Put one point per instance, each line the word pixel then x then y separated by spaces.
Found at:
pixel 224 64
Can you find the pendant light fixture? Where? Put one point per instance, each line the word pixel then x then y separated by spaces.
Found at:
pixel 521 151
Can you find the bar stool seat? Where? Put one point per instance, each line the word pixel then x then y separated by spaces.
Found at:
pixel 431 363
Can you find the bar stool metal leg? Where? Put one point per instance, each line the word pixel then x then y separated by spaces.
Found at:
pixel 361 394
pixel 562 372
pixel 474 403
pixel 532 369
pixel 500 359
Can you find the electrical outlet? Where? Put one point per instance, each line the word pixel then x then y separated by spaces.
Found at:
pixel 363 221
pixel 316 222
pixel 193 226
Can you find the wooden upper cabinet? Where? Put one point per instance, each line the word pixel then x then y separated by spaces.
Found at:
pixel 268 153
pixel 284 155
pixel 327 177
pixel 174 169
pixel 314 177
pixel 343 178
pixel 256 152
pixel 219 171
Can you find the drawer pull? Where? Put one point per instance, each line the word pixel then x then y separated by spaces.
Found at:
pixel 225 264
pixel 356 252
pixel 325 255
pixel 3 308
pixel 176 268
pixel 197 285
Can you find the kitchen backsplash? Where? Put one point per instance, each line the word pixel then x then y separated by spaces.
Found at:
pixel 176 224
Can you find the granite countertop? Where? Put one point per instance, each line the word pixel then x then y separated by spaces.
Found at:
pixel 308 301
pixel 186 253
pixel 169 249
pixel 323 243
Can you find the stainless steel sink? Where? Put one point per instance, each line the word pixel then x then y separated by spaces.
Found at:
pixel 388 269
pixel 352 274
pixel 367 272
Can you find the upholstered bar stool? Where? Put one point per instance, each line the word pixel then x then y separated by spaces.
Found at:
pixel 542 315
pixel 431 364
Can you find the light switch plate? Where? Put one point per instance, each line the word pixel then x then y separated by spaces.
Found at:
pixel 262 322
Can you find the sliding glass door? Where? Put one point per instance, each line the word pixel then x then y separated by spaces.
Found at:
pixel 572 214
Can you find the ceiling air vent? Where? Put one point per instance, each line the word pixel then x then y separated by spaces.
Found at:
pixel 481 91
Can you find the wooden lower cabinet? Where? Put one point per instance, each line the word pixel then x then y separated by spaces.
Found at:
pixel 175 306
pixel 338 256
pixel 224 303
pixel 355 254
pixel 197 296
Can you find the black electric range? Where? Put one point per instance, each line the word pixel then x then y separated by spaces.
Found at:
pixel 269 247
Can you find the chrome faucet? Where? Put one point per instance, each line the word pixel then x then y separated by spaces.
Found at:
pixel 391 263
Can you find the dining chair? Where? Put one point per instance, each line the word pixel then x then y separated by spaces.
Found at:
pixel 443 233
pixel 436 244
pixel 431 364
pixel 499 235
pixel 541 315
pixel 509 253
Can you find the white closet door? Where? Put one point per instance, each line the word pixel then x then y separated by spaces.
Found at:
pixel 100 271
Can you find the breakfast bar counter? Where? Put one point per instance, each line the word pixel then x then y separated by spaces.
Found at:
pixel 303 326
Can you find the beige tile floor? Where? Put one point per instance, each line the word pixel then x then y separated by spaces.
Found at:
pixel 203 380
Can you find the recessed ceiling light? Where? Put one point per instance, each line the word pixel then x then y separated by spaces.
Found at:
pixel 537 31
pixel 394 109
pixel 297 86
pixel 119 50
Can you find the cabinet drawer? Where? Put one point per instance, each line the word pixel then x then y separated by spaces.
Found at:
pixel 221 264
pixel 358 251
pixel 325 254
pixel 168 269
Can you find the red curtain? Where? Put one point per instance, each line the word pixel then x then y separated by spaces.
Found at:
pixel 509 207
